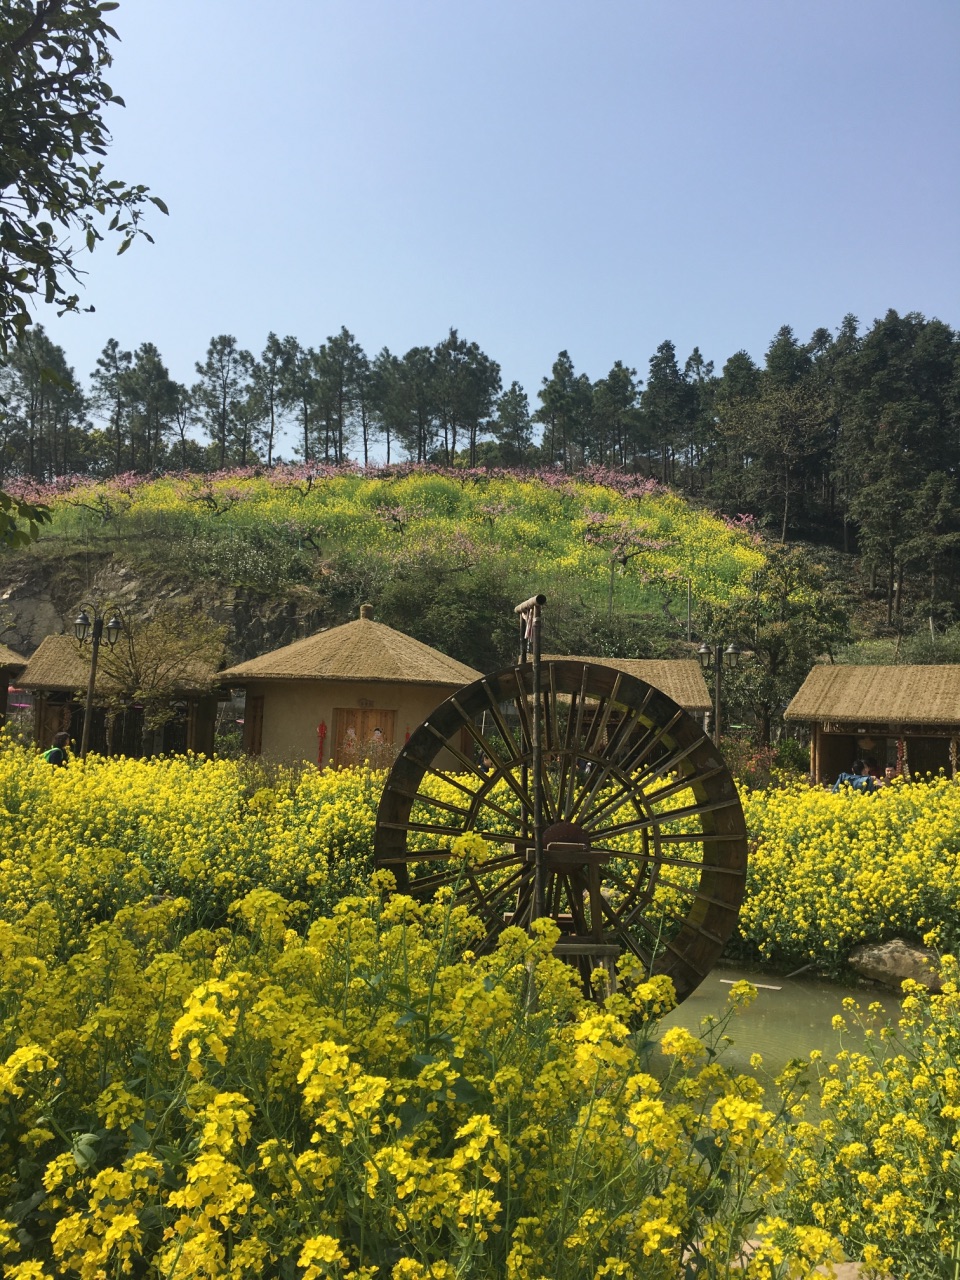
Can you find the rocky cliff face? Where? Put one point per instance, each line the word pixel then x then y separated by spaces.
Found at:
pixel 40 596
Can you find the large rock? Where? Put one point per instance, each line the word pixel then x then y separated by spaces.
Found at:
pixel 891 962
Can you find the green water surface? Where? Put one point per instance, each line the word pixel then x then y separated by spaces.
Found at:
pixel 783 1023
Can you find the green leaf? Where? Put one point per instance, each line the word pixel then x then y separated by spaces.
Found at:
pixel 85 1148
pixel 140 1138
pixel 160 204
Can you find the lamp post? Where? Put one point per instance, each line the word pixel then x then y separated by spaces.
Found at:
pixel 82 629
pixel 717 657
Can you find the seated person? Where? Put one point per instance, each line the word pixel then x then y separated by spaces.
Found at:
pixel 858 779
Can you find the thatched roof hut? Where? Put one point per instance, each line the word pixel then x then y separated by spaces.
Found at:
pixel 679 678
pixel 57 676
pixel 905 716
pixel 11 661
pixel 11 664
pixel 59 664
pixel 62 663
pixel 362 650
pixel 350 693
pixel 900 695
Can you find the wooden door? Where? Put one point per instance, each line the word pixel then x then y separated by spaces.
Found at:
pixel 253 724
pixel 363 733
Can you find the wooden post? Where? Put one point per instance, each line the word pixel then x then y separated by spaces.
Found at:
pixel 530 619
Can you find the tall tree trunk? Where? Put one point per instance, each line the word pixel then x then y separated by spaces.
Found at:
pixel 891 571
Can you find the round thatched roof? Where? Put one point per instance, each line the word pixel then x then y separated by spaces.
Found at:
pixel 361 650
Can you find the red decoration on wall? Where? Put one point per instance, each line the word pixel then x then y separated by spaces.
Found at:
pixel 321 738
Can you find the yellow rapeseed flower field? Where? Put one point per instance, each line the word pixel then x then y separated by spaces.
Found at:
pixel 228 1052
pixel 828 871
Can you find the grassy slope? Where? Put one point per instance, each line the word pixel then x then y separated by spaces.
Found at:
pixel 443 556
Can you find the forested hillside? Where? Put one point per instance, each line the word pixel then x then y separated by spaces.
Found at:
pixel 441 554
pixel 603 497
pixel 851 437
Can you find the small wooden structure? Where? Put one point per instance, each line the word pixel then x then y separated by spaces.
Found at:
pixel 344 695
pixel 57 676
pixel 905 716
pixel 11 664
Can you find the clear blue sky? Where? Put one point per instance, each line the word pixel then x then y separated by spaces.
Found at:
pixel 596 177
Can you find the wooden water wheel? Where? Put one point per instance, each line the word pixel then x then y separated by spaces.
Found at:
pixel 633 839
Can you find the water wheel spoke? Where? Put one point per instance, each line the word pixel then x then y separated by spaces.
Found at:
pixel 486 746
pixel 452 875
pixel 503 729
pixel 523 712
pixel 620 739
pixel 578 701
pixel 472 767
pixel 485 803
pixel 681 922
pixel 432 802
pixel 632 855
pixel 611 802
pixel 686 923
pixel 598 721
pixel 431 829
pixel 650 740
pixel 671 815
pixel 683 784
pixel 695 894
pixel 667 860
pixel 621 882
pixel 469 765
pixel 525 715
pixel 667 764
pixel 487 902
pixel 524 904
pixel 659 941
pixel 599 777
pixel 695 837
pixel 550 806
pixel 420 855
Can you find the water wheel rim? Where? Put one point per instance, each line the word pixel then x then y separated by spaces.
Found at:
pixel 648 789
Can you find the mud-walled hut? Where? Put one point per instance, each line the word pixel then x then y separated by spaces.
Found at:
pixel 345 695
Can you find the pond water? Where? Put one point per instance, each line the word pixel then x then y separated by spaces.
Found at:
pixel 789 1017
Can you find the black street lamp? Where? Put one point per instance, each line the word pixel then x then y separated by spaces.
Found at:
pixel 717 657
pixel 81 629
